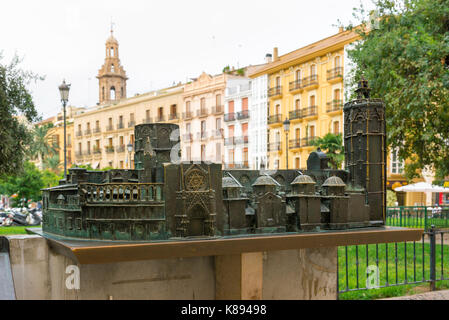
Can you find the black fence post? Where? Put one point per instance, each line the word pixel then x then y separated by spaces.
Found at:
pixel 432 258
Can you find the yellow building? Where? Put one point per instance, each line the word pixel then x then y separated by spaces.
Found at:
pixel 306 87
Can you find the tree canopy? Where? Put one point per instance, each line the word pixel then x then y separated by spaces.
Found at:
pixel 404 54
pixel 332 145
pixel 15 101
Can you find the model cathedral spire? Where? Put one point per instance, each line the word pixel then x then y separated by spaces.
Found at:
pixel 112 77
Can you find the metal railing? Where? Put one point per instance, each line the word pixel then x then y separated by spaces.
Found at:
pixel 382 265
pixel 275 91
pixel 310 81
pixel 217 109
pixel 131 123
pixel 275 146
pixel 418 217
pixel 334 105
pixel 243 114
pixel 295 85
pixel 277 118
pixel 335 73
pixel 309 111
pixel 229 117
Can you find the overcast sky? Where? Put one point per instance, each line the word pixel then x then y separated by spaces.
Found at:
pixel 161 42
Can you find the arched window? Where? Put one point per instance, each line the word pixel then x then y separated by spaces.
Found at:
pixel 112 68
pixel 121 92
pixel 312 101
pixel 112 51
pixel 313 69
pixel 112 93
pixel 337 94
pixel 102 93
pixel 337 62
pixel 297 104
pixel 298 74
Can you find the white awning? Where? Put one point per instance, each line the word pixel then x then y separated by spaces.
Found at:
pixel 422 187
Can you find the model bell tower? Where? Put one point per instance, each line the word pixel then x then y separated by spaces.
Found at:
pixel 365 149
pixel 112 77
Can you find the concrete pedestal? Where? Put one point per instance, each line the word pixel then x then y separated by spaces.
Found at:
pixel 40 273
pixel 291 266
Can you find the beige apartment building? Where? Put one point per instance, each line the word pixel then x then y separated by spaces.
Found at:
pixel 105 133
pixel 202 118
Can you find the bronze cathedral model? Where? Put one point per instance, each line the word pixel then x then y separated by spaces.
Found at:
pixel 162 200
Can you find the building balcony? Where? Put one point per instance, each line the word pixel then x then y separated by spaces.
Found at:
pixel 173 116
pixel 147 120
pixel 109 149
pixel 307 142
pixel 243 114
pixel 334 105
pixel 295 143
pixel 335 74
pixel 275 119
pixel 87 153
pixel 110 128
pixel 295 114
pixel 187 115
pixel 237 165
pixel 78 154
pixel 229 117
pixel 121 125
pixel 96 150
pixel 87 132
pixel 201 135
pixel 241 140
pixel 295 86
pixel 310 82
pixel 187 137
pixel 132 123
pixel 160 118
pixel 275 146
pixel 275 92
pixel 120 148
pixel 229 141
pixel 202 112
pixel 79 133
pixel 97 130
pixel 217 109
pixel 309 112
pixel 218 133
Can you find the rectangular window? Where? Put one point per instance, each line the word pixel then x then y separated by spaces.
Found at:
pixel 189 153
pixel 218 152
pixel 231 106
pixel 336 127
pixel 203 152
pixel 297 162
pixel 397 165
pixel 244 104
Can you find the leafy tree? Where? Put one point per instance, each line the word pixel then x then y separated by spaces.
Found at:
pixel 332 145
pixel 15 101
pixel 40 147
pixel 51 179
pixel 404 54
pixel 27 185
pixel 52 162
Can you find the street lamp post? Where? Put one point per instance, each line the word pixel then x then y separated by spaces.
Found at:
pixel 286 129
pixel 130 149
pixel 64 91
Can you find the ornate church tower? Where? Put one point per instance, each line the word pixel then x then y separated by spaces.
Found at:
pixel 112 77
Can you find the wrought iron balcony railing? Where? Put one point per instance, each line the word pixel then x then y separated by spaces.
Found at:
pixel 160 118
pixel 229 117
pixel 295 114
pixel 202 112
pixel 310 81
pixel 295 143
pixel 275 91
pixel 110 127
pixel 295 85
pixel 229 141
pixel 187 137
pixel 243 114
pixel 79 133
pixel 97 150
pixel 309 112
pixel 275 146
pixel 187 115
pixel 146 120
pixel 109 149
pixel 173 116
pixel 120 125
pixel 217 109
pixel 201 135
pixel 335 73
pixel 307 142
pixel 97 130
pixel 87 132
pixel 131 123
pixel 277 118
pixel 334 105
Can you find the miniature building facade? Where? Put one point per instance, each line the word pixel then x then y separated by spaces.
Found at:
pixel 164 198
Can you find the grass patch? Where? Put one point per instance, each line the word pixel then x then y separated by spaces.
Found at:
pixel 410 221
pixel 15 230
pixel 413 265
